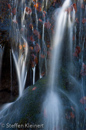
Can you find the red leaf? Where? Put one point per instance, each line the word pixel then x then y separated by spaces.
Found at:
pixel 31 38
pixel 84 20
pixel 28 10
pixel 40 20
pixel 72 115
pixel 14 11
pixel 9 6
pixel 37 48
pixel 75 7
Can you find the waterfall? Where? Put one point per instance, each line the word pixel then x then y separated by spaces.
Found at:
pixel 52 104
pixel 21 69
pixel 34 71
pixel 57 42
pixel 20 47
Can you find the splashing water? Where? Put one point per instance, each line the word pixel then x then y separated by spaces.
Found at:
pixel 52 112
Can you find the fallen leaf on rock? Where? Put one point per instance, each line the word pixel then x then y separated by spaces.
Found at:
pixel 34 88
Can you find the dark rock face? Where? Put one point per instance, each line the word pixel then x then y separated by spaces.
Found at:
pixel 9 84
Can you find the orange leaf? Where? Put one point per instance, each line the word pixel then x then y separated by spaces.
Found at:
pixel 40 20
pixel 34 88
pixel 20 47
pixel 31 48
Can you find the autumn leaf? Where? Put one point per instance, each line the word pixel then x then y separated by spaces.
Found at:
pixel 32 64
pixel 72 115
pixel 24 45
pixel 9 6
pixel 42 74
pixel 40 20
pixel 14 11
pixel 31 48
pixel 31 26
pixel 38 6
pixel 77 51
pixel 42 56
pixel 32 39
pixel 84 20
pixel 37 48
pixel 20 47
pixel 75 7
pixel 28 10
pixel 34 88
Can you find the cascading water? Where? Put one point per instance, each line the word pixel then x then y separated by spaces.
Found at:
pixel 34 70
pixel 20 51
pixel 1 57
pixel 20 63
pixel 11 70
pixel 52 104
